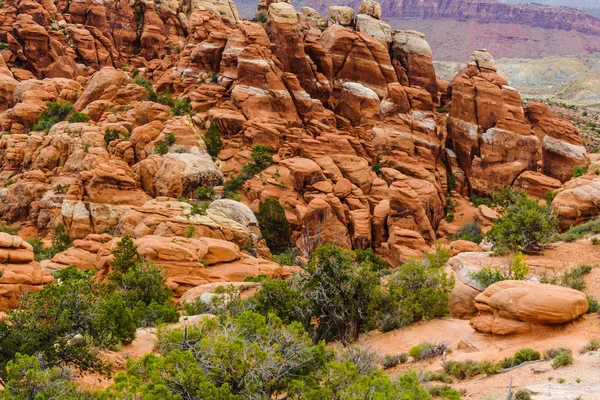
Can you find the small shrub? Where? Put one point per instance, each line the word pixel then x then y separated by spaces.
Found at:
pixel 161 148
pixel 427 350
pixel 206 194
pixel 470 232
pixel 287 257
pixel 390 361
pixel 110 135
pixel 53 114
pixel 444 392
pixel 451 182
pixel 462 369
pixel 181 107
pixel 261 158
pixel 577 232
pixel 449 217
pixel 549 196
pixel 7 183
pixel 595 241
pixel 478 201
pixel 593 305
pixel 189 231
pixel 506 196
pixel 377 165
pixel 592 345
pixel 8 229
pixel 145 83
pixel 273 224
pixel 488 276
pixel 522 395
pixel 365 359
pixel 429 376
pixel 520 357
pixel 212 139
pixel 574 278
pixel 170 139
pixel 560 380
pixel 78 117
pixel 579 171
pixel 560 357
pixel 518 267
pixel 525 226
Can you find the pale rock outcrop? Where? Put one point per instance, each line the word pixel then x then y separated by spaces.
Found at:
pixel 370 8
pixel 341 15
pixel 224 9
pixel 374 27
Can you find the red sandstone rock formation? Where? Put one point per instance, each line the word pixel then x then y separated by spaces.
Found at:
pixel 361 157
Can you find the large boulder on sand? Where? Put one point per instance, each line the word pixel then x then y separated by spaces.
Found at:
pixel 509 307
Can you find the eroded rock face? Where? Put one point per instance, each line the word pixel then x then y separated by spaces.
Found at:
pixel 510 307
pixel 487 128
pixel 19 273
pixel 579 202
pixel 360 155
pixel 186 262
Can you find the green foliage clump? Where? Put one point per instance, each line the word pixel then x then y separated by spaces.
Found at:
pixel 53 114
pixel 444 392
pixel 252 356
pixel 110 135
pixel 518 267
pixel 273 225
pixel 522 394
pixel 142 287
pixel 161 148
pixel 390 361
pixel 260 160
pixel 506 196
pixel 520 357
pixel 427 350
pixel 61 241
pixel 593 305
pixel 377 166
pixel 8 229
pixel 145 83
pixel 27 378
pixel 213 141
pixel 579 171
pixel 487 276
pixel 470 232
pixel 560 357
pixel 78 117
pixel 181 107
pixel 417 291
pixel 592 345
pixel 190 230
pixel 344 294
pixel 468 369
pixel 170 139
pixel 524 226
pixel 62 322
pixel 574 278
pixel 205 193
pixel 577 232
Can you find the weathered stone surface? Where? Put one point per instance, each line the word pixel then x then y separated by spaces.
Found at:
pixel 509 307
